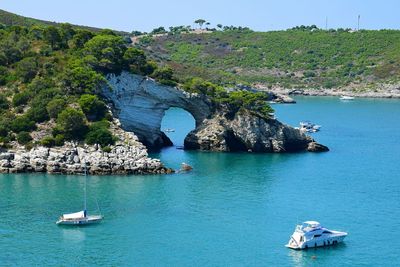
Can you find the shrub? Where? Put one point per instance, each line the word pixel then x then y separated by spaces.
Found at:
pixel 92 106
pixel 106 149
pixel 48 141
pixel 4 104
pixel 99 136
pixel 24 138
pixel 72 123
pixel 26 69
pixel 22 124
pixel 55 106
pixel 59 140
pixel 3 74
pixel 20 99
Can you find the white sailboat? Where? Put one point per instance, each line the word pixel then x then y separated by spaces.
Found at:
pixel 81 217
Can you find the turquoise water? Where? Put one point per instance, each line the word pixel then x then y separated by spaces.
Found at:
pixel 233 209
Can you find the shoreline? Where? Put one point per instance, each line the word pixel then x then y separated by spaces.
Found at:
pixel 393 94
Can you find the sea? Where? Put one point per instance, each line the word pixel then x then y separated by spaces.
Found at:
pixel 233 209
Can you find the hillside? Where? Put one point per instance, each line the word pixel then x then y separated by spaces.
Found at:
pixel 51 79
pixel 298 58
pixel 11 19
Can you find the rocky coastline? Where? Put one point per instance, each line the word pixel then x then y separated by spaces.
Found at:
pixel 127 156
pixel 249 132
pixel 381 91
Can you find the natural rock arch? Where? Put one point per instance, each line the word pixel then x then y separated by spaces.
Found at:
pixel 140 104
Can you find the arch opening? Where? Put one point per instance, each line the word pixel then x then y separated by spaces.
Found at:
pixel 176 124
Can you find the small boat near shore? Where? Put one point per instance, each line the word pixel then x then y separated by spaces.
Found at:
pixel 345 97
pixel 311 234
pixel 309 127
pixel 169 130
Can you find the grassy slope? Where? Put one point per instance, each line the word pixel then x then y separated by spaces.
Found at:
pixel 10 19
pixel 284 58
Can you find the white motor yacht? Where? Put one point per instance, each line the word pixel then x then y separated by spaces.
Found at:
pixel 309 127
pixel 311 234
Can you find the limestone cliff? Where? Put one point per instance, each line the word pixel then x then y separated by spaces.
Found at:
pixel 248 132
pixel 140 104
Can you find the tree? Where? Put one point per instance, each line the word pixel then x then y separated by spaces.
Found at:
pixel 80 38
pixel 27 69
pixel 159 30
pixel 135 59
pixel 200 22
pixel 92 106
pixel 55 106
pixel 52 36
pixel 219 26
pixel 78 79
pixel 165 76
pixel 72 123
pixel 108 50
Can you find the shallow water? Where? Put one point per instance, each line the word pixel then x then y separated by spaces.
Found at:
pixel 233 209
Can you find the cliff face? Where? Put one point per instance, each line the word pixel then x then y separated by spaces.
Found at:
pixel 247 132
pixel 140 104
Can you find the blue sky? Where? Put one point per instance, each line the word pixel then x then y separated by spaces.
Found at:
pixel 257 14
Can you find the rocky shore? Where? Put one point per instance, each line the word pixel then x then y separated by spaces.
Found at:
pixel 127 156
pixel 381 91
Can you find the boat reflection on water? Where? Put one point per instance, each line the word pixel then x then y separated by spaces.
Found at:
pixel 310 257
pixel 73 235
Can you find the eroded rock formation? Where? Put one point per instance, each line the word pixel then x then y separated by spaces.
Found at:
pixel 140 104
pixel 247 132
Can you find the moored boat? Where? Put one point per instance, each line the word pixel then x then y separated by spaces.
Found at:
pixel 80 217
pixel 345 97
pixel 311 234
pixel 309 127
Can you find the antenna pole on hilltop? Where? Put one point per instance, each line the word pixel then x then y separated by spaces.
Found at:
pixel 358 23
pixel 326 23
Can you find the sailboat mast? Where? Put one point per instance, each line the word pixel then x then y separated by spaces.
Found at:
pixel 84 190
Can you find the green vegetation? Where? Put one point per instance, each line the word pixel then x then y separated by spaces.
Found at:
pixel 51 75
pixel 24 138
pixel 299 57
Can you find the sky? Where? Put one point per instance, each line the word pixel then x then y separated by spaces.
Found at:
pixel 260 15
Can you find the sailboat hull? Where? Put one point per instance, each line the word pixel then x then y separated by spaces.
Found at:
pixel 81 221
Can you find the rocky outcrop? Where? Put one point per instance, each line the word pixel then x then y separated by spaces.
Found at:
pixel 248 132
pixel 127 156
pixel 140 104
